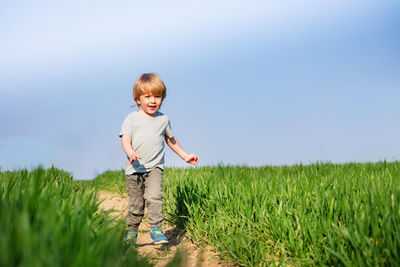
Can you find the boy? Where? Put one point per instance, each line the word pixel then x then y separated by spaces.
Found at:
pixel 143 133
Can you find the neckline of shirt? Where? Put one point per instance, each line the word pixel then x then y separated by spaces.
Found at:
pixel 150 117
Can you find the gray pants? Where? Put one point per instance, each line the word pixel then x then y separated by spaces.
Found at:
pixel 145 188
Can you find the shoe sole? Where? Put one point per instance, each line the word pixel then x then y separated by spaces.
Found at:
pixel 159 242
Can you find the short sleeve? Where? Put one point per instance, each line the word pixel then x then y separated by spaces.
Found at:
pixel 168 131
pixel 126 127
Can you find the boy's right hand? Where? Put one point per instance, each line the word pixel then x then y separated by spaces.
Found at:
pixel 134 156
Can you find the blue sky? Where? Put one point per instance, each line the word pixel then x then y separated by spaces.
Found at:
pixel 248 82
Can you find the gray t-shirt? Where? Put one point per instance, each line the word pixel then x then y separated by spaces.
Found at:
pixel 148 135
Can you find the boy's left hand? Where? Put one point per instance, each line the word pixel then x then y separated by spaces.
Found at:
pixel 192 159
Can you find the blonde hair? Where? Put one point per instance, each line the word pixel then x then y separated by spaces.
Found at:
pixel 149 83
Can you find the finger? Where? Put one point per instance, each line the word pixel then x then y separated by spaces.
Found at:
pixel 195 160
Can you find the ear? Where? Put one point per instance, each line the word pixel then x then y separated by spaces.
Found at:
pixel 138 103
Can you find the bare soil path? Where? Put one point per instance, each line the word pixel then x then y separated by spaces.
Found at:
pixel 160 255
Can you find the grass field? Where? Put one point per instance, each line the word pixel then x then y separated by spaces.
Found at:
pixel 47 219
pixel 320 214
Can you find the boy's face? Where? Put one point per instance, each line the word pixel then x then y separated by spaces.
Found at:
pixel 150 103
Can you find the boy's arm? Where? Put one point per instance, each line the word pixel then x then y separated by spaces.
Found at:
pixel 127 146
pixel 176 147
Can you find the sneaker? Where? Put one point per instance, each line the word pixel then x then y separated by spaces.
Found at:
pixel 157 236
pixel 131 238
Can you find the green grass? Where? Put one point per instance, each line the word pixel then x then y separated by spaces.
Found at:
pixel 321 214
pixel 47 219
pixel 112 181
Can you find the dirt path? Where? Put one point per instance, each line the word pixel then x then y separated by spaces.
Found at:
pixel 160 255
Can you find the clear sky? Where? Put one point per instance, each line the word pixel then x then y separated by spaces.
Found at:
pixel 248 82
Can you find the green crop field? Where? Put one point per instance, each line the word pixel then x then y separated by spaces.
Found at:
pixel 319 214
pixel 47 219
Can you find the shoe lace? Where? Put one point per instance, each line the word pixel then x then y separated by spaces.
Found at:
pixel 131 236
pixel 157 232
